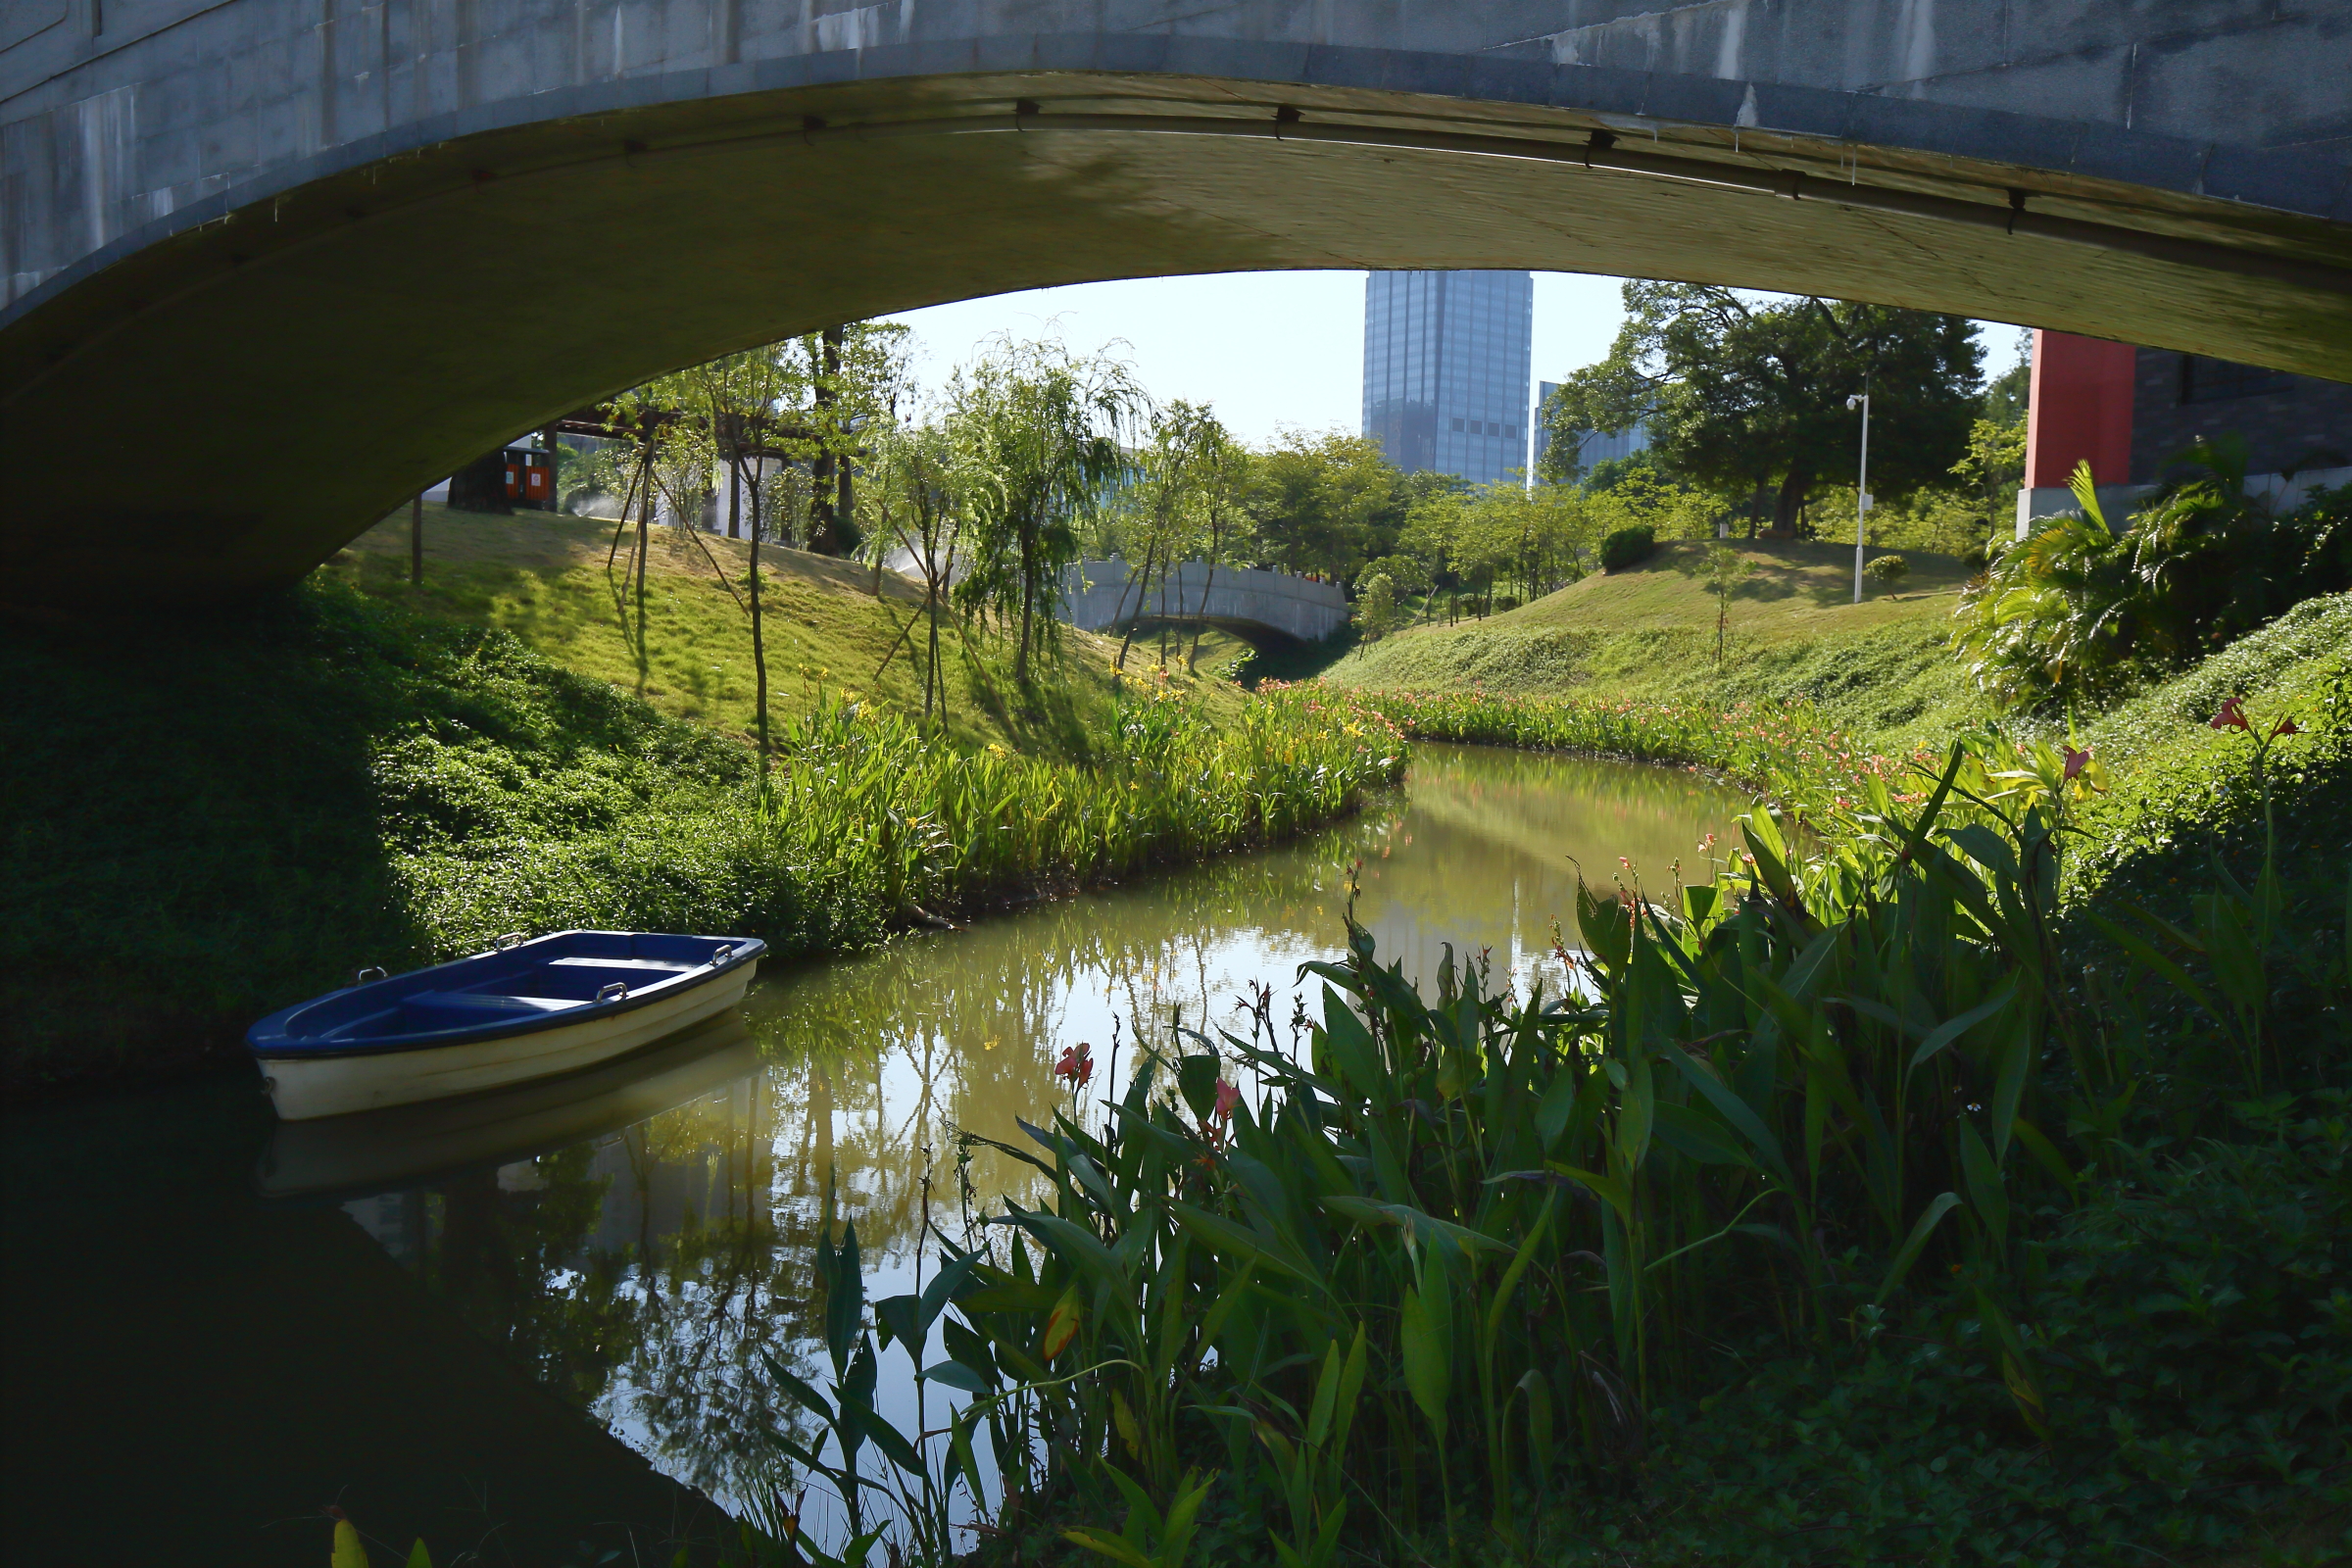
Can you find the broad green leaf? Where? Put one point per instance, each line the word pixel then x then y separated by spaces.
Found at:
pixel 1952 1029
pixel 1428 1359
pixel 1986 1192
pixel 955 1375
pixel 1228 1240
pixel 1917 1240
pixel 1537 1393
pixel 1063 1326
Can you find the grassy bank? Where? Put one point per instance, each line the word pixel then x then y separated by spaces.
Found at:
pixel 222 816
pixel 1878 667
pixel 551 582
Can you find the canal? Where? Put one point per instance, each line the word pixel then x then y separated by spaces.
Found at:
pixel 533 1326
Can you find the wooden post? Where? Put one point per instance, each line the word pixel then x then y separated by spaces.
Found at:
pixel 417 540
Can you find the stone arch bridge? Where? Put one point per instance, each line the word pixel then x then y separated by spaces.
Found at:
pixel 268 265
pixel 1103 595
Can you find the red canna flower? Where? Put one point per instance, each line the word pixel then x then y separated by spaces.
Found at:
pixel 2075 761
pixel 2285 726
pixel 2231 716
pixel 1077 1064
pixel 1227 1097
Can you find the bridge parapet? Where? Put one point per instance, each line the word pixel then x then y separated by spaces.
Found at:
pixel 1099 593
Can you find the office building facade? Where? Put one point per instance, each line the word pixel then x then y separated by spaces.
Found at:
pixel 1446 359
pixel 1592 447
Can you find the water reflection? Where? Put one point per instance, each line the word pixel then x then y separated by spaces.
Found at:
pixel 643 1274
pixel 628 1246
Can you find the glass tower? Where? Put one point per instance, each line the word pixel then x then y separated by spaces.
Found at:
pixel 1445 369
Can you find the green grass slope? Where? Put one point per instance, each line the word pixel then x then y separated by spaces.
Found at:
pixel 546 579
pixel 1880 667
pixel 225 811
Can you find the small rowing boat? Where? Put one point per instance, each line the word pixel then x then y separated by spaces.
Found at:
pixel 524 1010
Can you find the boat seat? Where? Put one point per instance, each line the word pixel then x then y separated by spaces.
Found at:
pixel 645 965
pixel 484 1002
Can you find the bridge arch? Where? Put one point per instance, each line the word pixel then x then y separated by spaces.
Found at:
pixel 212 381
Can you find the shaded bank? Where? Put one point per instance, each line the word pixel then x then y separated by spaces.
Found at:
pixel 217 817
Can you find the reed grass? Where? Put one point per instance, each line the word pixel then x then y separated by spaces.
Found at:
pixel 1842 1124
pixel 865 823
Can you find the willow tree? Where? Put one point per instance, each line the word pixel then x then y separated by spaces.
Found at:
pixel 923 485
pixel 1045 426
pixel 854 376
pixel 1171 502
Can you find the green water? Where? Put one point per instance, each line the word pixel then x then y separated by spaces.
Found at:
pixel 532 1328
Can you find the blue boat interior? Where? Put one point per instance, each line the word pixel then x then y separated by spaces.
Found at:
pixel 502 990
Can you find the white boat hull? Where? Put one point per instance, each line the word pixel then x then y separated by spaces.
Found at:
pixel 303 1088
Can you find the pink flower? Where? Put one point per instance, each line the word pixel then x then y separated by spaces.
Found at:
pixel 2075 761
pixel 1227 1097
pixel 2231 716
pixel 1077 1064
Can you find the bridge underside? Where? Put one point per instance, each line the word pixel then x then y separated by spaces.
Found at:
pixel 245 396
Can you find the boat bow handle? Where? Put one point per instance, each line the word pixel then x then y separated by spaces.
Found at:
pixel 723 952
pixel 614 992
pixel 372 972
pixel 513 939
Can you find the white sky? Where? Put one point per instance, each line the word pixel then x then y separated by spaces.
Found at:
pixel 1266 349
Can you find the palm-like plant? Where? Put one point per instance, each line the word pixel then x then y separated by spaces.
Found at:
pixel 2050 615
pixel 2076 611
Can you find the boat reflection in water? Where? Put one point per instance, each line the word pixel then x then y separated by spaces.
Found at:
pixel 413 1145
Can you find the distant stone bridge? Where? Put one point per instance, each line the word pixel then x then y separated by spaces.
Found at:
pixel 1098 595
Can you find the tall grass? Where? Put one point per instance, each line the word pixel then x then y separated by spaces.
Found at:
pixel 1428 1291
pixel 1784 749
pixel 865 823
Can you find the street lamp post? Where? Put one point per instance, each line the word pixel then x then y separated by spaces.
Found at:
pixel 1861 400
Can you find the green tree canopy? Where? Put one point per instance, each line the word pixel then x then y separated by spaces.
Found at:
pixel 1324 502
pixel 1744 394
pixel 1047 426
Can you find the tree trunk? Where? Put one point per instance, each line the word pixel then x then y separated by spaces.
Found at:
pixel 481 486
pixel 417 540
pixel 555 469
pixel 1143 581
pixel 759 653
pixel 644 522
pixel 1192 660
pixel 825 488
pixel 1790 503
pixel 1020 659
pixel 734 492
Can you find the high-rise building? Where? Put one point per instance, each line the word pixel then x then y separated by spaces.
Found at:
pixel 1591 447
pixel 1447 358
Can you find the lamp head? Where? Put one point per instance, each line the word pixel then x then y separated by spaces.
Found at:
pixel 1856 401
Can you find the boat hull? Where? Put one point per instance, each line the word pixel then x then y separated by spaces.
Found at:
pixel 304 1088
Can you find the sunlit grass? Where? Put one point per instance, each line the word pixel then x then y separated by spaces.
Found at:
pixel 545 578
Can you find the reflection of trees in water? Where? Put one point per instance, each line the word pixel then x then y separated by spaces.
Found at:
pixel 723 1276
pixel 643 1275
